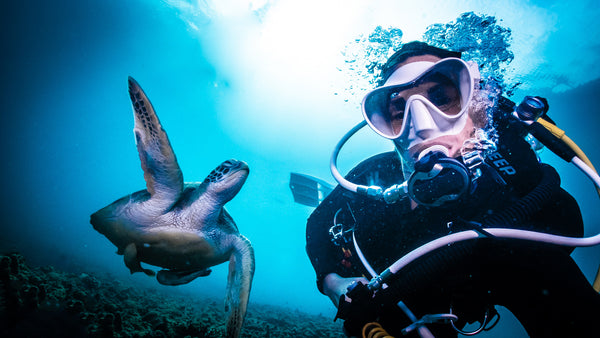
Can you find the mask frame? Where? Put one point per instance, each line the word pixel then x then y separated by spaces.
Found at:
pixel 459 76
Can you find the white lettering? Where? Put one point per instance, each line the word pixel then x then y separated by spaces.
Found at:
pixel 501 163
pixel 508 170
pixel 495 156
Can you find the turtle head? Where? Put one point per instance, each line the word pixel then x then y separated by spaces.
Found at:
pixel 227 179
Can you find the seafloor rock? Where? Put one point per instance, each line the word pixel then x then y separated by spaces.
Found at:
pixel 44 302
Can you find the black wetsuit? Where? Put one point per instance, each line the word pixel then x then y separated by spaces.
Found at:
pixel 539 283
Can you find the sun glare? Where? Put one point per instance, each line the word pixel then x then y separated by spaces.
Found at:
pixel 283 57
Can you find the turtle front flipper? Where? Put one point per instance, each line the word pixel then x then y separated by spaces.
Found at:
pixel 132 262
pixel 239 283
pixel 164 180
pixel 171 277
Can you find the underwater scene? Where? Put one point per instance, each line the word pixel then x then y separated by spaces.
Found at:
pixel 254 96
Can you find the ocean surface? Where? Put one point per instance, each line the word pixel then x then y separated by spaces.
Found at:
pixel 266 82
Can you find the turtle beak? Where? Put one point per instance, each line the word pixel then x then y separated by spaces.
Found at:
pixel 235 165
pixel 243 166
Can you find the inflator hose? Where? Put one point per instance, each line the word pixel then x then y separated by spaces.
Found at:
pixel 528 205
pixel 517 213
pixel 401 286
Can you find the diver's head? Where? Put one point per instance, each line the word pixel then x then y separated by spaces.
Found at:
pixel 425 102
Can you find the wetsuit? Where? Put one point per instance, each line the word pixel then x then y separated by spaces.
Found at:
pixel 539 283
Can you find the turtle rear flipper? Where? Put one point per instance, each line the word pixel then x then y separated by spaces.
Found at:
pixel 132 261
pixel 239 283
pixel 173 277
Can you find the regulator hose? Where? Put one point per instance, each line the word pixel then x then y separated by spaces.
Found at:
pixel 528 205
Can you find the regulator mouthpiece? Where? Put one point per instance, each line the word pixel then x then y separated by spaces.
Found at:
pixel 438 179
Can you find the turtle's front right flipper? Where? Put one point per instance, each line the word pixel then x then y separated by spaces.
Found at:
pixel 164 180
pixel 239 283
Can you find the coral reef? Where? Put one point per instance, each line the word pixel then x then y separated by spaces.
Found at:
pixel 45 302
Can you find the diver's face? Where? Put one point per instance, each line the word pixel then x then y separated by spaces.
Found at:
pixel 445 96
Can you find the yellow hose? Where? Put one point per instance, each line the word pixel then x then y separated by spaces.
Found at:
pixel 374 330
pixel 560 134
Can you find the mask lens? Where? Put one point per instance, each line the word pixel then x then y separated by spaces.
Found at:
pixel 442 91
pixel 447 85
pixel 386 112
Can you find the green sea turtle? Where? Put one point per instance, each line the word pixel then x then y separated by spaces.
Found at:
pixel 181 227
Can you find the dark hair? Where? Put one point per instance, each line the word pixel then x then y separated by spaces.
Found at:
pixel 413 49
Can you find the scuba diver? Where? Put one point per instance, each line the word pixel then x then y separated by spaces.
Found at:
pixel 462 216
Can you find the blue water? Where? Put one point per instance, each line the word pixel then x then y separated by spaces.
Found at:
pixel 253 80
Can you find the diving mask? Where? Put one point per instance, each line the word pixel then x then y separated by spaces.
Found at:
pixel 421 100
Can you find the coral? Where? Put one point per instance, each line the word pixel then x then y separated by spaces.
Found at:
pixel 45 302
pixel 3 312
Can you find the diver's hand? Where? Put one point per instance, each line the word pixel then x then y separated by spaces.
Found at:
pixel 355 311
pixel 335 286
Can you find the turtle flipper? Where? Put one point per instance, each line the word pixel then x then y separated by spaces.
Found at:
pixel 132 262
pixel 163 176
pixel 171 277
pixel 239 283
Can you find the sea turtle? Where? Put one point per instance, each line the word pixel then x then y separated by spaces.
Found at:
pixel 181 227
